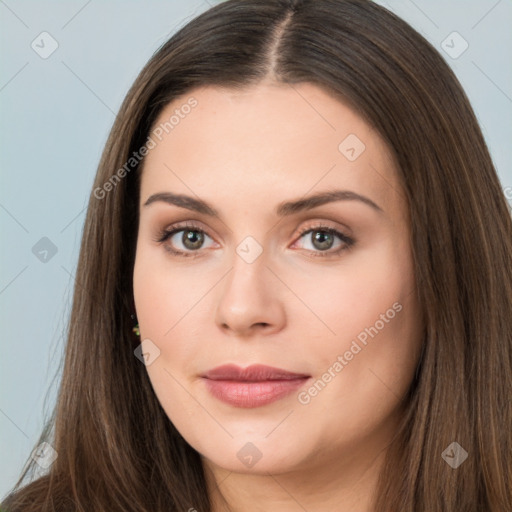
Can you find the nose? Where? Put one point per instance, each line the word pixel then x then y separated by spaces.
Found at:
pixel 250 300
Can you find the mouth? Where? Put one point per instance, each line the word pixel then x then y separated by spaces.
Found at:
pixel 254 386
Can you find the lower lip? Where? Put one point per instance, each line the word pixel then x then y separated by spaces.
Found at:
pixel 252 394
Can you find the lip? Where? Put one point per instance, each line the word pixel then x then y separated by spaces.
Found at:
pixel 252 373
pixel 254 386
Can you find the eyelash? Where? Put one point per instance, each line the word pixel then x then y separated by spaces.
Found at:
pixel 165 234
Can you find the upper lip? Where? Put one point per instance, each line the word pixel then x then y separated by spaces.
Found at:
pixel 255 372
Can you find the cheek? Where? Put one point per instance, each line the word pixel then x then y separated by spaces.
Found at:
pixel 373 317
pixel 363 374
pixel 164 303
pixel 351 296
pixel 162 316
pixel 170 309
pixel 161 293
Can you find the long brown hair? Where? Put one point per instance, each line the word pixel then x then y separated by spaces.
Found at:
pixel 117 449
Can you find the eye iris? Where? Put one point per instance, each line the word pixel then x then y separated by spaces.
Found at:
pixel 194 237
pixel 321 236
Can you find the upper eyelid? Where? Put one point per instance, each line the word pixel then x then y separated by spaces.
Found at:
pixel 317 224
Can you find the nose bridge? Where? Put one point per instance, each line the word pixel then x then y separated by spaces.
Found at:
pixel 248 295
pixel 249 273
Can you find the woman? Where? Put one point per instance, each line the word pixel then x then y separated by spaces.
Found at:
pixel 365 368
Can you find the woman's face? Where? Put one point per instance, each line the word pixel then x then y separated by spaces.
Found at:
pixel 262 282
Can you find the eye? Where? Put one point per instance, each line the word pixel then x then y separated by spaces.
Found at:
pixel 192 239
pixel 322 239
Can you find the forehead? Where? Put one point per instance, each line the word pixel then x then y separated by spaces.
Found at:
pixel 266 140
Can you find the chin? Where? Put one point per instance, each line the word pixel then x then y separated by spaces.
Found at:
pixel 253 456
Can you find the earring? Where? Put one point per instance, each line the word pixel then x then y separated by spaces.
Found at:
pixel 136 328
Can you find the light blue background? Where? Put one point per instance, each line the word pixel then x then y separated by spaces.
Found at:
pixel 55 117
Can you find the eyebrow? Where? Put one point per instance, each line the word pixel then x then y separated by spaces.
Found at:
pixel 283 209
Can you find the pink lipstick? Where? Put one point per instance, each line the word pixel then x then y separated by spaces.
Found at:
pixel 253 386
